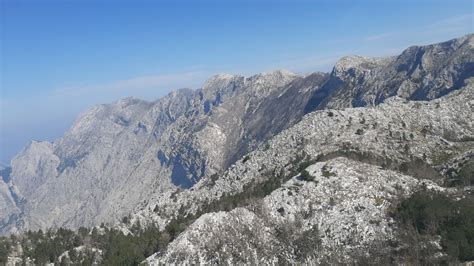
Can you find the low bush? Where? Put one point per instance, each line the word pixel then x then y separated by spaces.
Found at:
pixel 326 172
pixel 306 176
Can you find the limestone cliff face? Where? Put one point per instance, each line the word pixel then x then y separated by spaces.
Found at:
pixel 10 201
pixel 127 156
pixel 35 163
pixel 116 156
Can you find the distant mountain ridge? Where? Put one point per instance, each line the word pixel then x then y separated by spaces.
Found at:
pixel 418 73
pixel 116 157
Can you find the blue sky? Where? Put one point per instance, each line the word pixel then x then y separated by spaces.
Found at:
pixel 60 57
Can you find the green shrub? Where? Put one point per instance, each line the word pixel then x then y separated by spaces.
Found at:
pixel 303 165
pixel 118 248
pixel 432 213
pixel 4 250
pixel 326 172
pixel 466 174
pixel 307 244
pixel 306 176
pixel 125 219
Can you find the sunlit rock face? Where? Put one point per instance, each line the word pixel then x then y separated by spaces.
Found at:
pixel 418 73
pixel 116 156
pixel 10 201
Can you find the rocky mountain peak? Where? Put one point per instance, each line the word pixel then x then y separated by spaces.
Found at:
pixel 418 73
pixel 266 82
pixel 219 81
pixel 273 77
pixel 36 146
pixel 129 101
pixel 356 65
pixel 178 93
pixel 221 84
pixel 32 166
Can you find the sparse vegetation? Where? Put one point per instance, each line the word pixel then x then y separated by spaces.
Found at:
pixel 406 149
pixel 326 171
pixel 306 176
pixel 281 210
pixel 305 164
pixel 378 200
pixel 126 219
pixel 441 157
pixel 212 179
pixel 307 243
pixel 4 250
pixel 416 167
pixel 461 177
pixel 118 248
pixel 466 174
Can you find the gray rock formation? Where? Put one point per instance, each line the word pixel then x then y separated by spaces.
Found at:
pixel 329 219
pixel 118 155
pixel 419 73
pixel 10 201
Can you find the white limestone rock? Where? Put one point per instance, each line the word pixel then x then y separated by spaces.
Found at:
pixel 348 207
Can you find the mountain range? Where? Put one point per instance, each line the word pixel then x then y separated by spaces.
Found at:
pixel 261 162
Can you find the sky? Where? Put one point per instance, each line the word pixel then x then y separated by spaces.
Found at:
pixel 58 58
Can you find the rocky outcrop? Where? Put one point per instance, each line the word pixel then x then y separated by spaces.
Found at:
pixel 332 218
pixel 419 73
pixel 10 201
pixel 34 164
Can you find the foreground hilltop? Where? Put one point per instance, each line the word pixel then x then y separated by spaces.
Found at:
pixel 323 190
pixel 130 155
